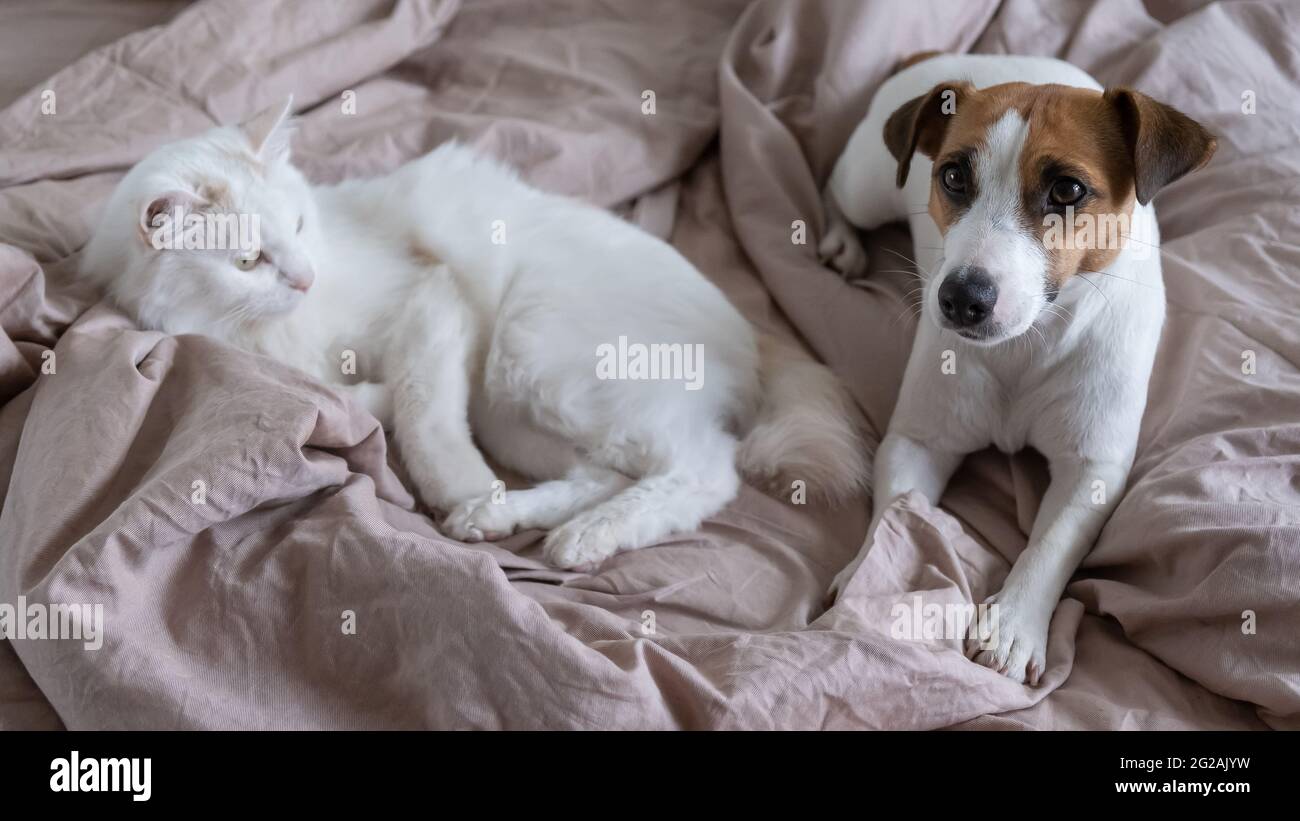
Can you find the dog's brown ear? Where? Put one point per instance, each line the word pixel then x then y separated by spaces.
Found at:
pixel 1164 143
pixel 920 123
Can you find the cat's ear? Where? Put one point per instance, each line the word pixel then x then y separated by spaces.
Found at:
pixel 268 131
pixel 158 215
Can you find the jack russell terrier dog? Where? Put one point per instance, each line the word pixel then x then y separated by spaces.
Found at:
pixel 1028 192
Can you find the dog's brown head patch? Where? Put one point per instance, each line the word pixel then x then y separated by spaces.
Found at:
pixel 1090 152
pixel 1058 166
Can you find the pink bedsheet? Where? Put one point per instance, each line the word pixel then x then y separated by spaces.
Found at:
pixel 230 613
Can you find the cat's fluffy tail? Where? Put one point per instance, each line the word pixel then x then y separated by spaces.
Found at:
pixel 807 430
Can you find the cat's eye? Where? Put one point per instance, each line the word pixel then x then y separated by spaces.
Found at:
pixel 953 179
pixel 299 225
pixel 248 262
pixel 1066 191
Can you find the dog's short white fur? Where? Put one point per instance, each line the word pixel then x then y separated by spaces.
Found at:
pixel 476 307
pixel 1074 388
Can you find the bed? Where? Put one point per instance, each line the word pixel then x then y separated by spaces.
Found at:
pixel 261 564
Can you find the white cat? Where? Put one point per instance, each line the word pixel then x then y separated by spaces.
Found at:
pixel 474 303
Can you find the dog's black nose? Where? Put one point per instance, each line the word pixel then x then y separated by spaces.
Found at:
pixel 967 296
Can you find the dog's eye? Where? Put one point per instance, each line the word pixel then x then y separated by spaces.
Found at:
pixel 1066 191
pixel 248 262
pixel 953 179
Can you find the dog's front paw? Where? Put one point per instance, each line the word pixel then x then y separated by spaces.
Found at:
pixel 1015 644
pixel 582 542
pixel 842 250
pixel 486 517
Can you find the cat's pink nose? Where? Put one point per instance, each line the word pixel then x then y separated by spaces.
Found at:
pixel 300 280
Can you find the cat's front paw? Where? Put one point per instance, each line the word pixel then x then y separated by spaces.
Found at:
pixel 1016 646
pixel 454 484
pixel 487 518
pixel 582 542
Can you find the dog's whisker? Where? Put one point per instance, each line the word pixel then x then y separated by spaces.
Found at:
pixel 919 266
pixel 1131 238
pixel 917 275
pixel 1120 278
pixel 903 257
pixel 907 312
pixel 1098 288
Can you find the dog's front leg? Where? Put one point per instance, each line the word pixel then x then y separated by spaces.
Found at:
pixel 1079 499
pixel 901 464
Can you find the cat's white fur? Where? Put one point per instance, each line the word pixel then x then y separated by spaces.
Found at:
pixel 455 333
